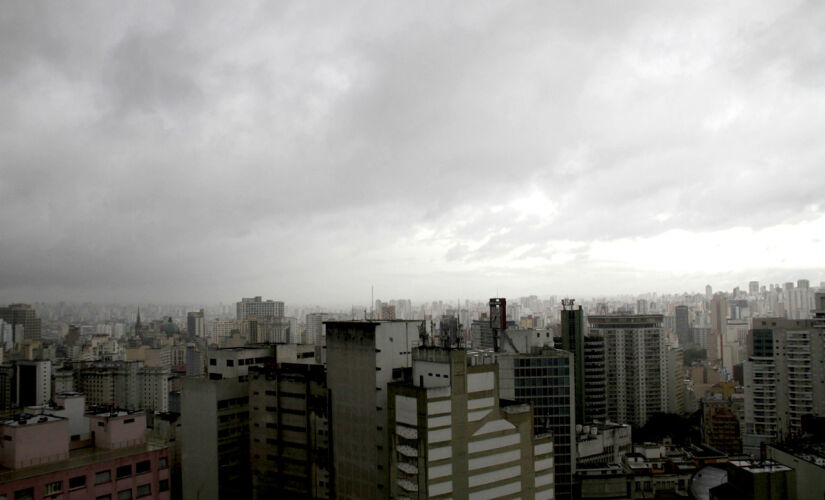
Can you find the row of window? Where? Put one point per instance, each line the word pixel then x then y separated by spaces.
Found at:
pixel 56 487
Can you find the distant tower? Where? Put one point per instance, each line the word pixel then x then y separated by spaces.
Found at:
pixel 498 321
pixel 138 326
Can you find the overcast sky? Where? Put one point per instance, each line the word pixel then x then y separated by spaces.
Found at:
pixel 204 151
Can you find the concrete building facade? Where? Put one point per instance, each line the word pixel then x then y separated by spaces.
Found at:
pixel 636 365
pixel 451 435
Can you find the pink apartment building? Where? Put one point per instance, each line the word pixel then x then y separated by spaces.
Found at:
pixel 36 461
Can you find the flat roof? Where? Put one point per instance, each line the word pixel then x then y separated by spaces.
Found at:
pixel 26 419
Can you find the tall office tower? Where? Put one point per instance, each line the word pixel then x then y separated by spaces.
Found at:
pixel 636 362
pixel 25 316
pixel 784 378
pixel 448 331
pixel 589 364
pixel 34 382
pixel 708 292
pixel 641 306
pixel 316 330
pixel 481 334
pixel 215 425
pixel 718 327
pixel 753 288
pixel 259 308
pixel 683 325
pixel 675 380
pixel 362 357
pixel 289 431
pixel 452 437
pixel 544 378
pixel 195 324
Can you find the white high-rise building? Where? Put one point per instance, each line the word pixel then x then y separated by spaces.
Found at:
pixel 259 308
pixel 451 436
pixel 316 331
pixel 784 377
pixel 636 365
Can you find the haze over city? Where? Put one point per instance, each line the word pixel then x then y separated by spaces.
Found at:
pixel 307 151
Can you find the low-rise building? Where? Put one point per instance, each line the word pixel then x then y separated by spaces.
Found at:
pixel 37 462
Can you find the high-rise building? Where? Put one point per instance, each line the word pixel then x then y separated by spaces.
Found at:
pixel 753 288
pixel 362 357
pixel 451 436
pixel 258 307
pixel 289 431
pixel 718 327
pixel 215 438
pixel 34 382
pixel 784 378
pixel 675 381
pixel 316 330
pixel 589 364
pixel 129 385
pixel 544 378
pixel 683 325
pixel 25 316
pixel 195 324
pixel 636 365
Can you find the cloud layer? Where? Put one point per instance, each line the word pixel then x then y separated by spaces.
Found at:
pixel 302 150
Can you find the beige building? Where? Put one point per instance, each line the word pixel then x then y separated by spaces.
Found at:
pixel 452 437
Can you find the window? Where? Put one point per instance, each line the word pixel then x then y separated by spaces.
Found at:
pixel 103 476
pixel 77 482
pixel 163 485
pixel 100 424
pixel 143 467
pixel 230 362
pixel 163 463
pixel 124 471
pixel 124 495
pixel 104 497
pixel 27 494
pixel 129 421
pixel 52 488
pixel 144 490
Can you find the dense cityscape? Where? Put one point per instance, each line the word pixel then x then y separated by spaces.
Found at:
pixel 718 394
pixel 401 250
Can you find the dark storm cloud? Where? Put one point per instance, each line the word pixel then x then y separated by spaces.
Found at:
pixel 197 151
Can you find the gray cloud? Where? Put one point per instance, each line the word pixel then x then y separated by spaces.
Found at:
pixel 197 151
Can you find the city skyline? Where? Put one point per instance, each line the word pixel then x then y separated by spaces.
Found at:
pixel 308 152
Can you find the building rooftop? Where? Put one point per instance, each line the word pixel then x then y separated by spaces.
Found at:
pixel 29 419
pixel 811 452
pixel 760 467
